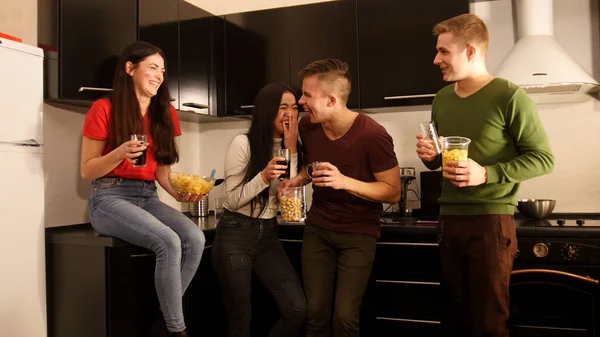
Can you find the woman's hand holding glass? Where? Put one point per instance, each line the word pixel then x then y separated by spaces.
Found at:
pixel 273 170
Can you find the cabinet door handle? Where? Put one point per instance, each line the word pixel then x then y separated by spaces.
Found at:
pixel 82 89
pixel 555 272
pixel 247 107
pixel 408 96
pixel 196 105
pixel 290 240
pixel 407 320
pixel 141 255
pixel 409 282
pixel 417 244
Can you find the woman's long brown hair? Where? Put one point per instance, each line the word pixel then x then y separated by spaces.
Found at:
pixel 126 117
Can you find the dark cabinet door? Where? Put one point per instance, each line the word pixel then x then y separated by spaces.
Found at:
pixel 195 57
pixel 256 54
pixel 92 35
pixel 204 310
pixel 159 25
pixel 397 49
pixel 132 303
pixel 324 30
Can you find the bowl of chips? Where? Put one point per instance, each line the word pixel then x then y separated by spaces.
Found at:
pixel 193 184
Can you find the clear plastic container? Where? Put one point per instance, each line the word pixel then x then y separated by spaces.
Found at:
pixel 455 149
pixel 291 201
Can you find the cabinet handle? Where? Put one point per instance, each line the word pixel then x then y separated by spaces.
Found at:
pixel 555 272
pixel 417 244
pixel 82 89
pixel 289 240
pixel 141 255
pixel 196 105
pixel 409 282
pixel 408 96
pixel 407 320
pixel 247 107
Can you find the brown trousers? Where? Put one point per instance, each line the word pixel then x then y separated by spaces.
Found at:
pixel 477 254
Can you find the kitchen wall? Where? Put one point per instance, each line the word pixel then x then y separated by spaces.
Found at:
pixel 574 181
pixel 19 18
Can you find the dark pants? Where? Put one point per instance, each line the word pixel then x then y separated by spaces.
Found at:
pixel 326 253
pixel 244 245
pixel 477 254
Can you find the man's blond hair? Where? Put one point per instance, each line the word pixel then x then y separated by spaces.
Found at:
pixel 335 73
pixel 467 27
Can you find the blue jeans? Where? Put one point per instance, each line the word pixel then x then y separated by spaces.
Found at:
pixel 131 211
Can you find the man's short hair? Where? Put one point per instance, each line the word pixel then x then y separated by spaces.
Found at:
pixel 467 27
pixel 335 72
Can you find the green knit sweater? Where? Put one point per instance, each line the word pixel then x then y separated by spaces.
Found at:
pixel 507 138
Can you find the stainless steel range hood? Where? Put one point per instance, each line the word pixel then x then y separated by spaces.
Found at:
pixel 539 64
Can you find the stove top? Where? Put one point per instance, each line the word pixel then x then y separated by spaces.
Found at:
pixel 573 222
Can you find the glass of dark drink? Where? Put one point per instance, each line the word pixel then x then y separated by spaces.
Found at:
pixel 285 153
pixel 311 168
pixel 140 161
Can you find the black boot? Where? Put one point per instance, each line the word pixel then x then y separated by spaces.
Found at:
pixel 180 334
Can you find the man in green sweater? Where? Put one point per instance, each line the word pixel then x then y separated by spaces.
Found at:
pixel 476 235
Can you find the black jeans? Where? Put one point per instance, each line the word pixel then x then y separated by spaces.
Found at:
pixel 244 245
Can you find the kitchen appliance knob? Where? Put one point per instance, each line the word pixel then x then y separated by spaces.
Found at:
pixel 580 222
pixel 570 252
pixel 540 250
pixel 560 222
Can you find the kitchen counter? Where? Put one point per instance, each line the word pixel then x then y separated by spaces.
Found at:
pixel 392 229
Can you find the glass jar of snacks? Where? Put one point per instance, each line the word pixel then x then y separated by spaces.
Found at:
pixel 455 149
pixel 291 201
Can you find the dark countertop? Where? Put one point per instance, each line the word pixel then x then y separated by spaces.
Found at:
pixel 392 229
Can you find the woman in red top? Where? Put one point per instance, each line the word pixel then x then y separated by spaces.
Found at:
pixel 124 202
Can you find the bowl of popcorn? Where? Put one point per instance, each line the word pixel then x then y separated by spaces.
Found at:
pixel 188 183
pixel 455 149
pixel 291 202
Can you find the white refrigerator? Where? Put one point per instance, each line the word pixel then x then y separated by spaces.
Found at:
pixel 22 255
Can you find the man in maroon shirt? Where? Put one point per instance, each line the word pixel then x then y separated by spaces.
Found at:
pixel 357 171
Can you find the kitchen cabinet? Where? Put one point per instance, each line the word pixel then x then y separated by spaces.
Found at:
pixel 203 304
pixel 191 38
pixel 99 291
pixel 397 48
pixel 92 35
pixel 257 53
pixel 159 25
pixel 324 30
pixel 201 82
pixel 406 298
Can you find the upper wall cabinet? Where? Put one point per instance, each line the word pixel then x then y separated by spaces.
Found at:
pixel 92 35
pixel 159 24
pixel 201 71
pixel 397 49
pixel 257 52
pixel 324 30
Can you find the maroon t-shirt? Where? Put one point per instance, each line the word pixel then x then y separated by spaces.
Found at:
pixel 365 149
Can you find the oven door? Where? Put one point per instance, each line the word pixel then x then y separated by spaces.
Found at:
pixel 554 301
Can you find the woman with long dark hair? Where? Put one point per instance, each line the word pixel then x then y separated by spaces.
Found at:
pixel 124 202
pixel 246 241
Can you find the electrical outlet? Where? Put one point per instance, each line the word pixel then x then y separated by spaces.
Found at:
pixel 407 171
